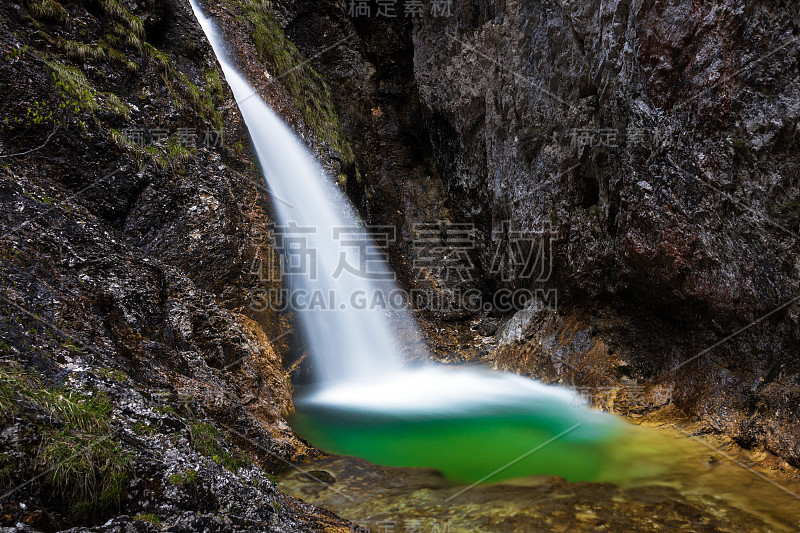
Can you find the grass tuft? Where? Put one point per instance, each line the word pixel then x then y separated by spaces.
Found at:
pixel 112 102
pixel 81 51
pixel 114 9
pixel 137 26
pixel 80 462
pixel 49 10
pixel 206 440
pixel 73 83
pixel 88 471
pixel 81 411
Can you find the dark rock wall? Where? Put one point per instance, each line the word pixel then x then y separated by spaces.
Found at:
pixel 656 142
pixel 131 237
pixel 678 209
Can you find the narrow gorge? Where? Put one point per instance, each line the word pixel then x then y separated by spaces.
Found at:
pixel 381 266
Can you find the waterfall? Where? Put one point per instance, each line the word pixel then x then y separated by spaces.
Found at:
pixel 348 341
pixel 465 422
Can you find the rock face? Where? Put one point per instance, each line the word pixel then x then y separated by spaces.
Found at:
pixel 657 143
pixel 137 381
pixel 654 144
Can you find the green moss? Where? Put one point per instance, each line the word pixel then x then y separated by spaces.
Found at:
pixel 133 30
pixel 201 101
pixel 173 154
pixel 205 101
pixel 206 440
pixel 142 428
pixel 161 59
pixel 111 40
pixel 311 95
pixel 157 157
pixel 148 517
pixel 214 85
pixel 127 37
pixel 72 83
pixel 117 375
pixel 107 45
pixel 177 151
pixel 189 477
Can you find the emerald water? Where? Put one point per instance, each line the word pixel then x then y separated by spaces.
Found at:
pixel 646 479
pixel 463 450
pixel 469 424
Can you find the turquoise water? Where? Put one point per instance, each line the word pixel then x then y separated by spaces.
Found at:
pixel 488 447
pixel 472 426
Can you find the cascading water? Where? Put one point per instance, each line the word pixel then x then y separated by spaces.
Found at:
pixel 310 208
pixel 470 424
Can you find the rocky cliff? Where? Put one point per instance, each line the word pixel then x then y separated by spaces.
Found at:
pixel 137 383
pixel 651 148
pixel 656 142
pixel 651 145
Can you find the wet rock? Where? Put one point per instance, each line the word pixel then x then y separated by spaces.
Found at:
pixel 129 246
pixel 318 476
pixel 652 143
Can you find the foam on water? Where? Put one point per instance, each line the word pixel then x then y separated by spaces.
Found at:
pixel 444 390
